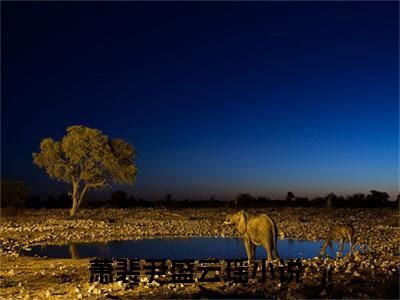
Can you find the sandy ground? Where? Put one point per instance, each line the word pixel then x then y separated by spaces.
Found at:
pixel 373 274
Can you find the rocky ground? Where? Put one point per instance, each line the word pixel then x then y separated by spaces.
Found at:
pixel 372 274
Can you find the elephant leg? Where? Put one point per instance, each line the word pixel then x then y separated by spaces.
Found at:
pixel 321 252
pixel 248 246
pixel 253 251
pixel 268 250
pixel 341 248
pixel 351 245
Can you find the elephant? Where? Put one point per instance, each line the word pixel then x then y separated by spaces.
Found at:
pixel 255 231
pixel 338 233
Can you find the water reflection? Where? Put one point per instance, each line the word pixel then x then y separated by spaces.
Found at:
pixel 73 251
pixel 196 248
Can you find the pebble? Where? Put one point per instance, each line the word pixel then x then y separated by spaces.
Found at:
pixel 91 288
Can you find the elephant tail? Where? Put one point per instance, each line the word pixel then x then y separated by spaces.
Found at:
pixel 275 240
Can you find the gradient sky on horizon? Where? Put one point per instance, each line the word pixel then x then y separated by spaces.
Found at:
pixel 217 98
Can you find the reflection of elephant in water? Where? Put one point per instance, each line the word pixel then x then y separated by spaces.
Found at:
pixel 255 230
pixel 338 233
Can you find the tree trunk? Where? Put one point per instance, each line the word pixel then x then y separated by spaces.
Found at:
pixel 77 198
pixel 74 208
pixel 75 202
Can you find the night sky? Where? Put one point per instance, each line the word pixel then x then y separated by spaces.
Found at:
pixel 217 98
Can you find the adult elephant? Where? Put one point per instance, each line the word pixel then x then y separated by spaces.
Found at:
pixel 255 231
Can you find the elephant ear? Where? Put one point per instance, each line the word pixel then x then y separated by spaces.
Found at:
pixel 242 224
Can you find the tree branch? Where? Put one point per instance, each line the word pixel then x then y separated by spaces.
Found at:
pixel 96 185
pixel 82 194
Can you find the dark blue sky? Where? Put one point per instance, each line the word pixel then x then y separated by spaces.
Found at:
pixel 217 98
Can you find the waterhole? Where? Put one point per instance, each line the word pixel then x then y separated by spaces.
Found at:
pixel 183 248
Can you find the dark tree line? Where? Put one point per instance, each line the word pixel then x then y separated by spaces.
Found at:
pixel 16 195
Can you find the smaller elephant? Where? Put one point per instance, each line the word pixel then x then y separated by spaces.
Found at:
pixel 338 233
pixel 255 231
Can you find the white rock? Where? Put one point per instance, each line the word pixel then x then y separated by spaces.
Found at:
pixel 91 288
pixel 155 283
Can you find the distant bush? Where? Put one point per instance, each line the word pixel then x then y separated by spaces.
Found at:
pixel 376 198
pixel 290 196
pixel 243 200
pixel 119 199
pixel 33 202
pixel 13 194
